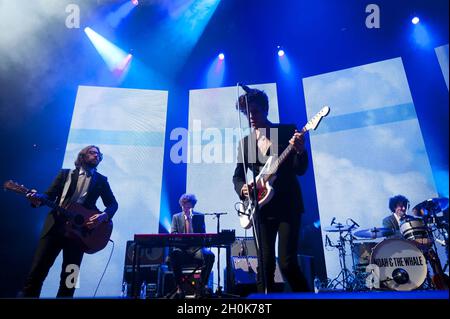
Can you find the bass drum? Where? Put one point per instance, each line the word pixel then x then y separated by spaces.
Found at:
pixel 401 264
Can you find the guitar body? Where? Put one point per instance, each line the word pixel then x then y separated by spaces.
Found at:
pixel 90 240
pixel 75 218
pixel 265 193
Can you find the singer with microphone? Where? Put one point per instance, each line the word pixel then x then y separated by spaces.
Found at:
pixel 189 221
pixel 282 214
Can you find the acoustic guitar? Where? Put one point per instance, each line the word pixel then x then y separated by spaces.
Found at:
pixel 75 217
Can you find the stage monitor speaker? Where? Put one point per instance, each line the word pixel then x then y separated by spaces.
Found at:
pixel 243 246
pixel 244 272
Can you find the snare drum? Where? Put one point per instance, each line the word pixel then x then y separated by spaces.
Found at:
pixel 415 229
pixel 401 264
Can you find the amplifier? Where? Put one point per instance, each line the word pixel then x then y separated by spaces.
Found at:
pixel 243 246
pixel 244 270
pixel 147 255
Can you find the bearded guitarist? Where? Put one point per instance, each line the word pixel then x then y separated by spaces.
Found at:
pixel 79 187
pixel 281 215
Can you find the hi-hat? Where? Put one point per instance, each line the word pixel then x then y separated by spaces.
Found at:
pixel 337 228
pixel 374 232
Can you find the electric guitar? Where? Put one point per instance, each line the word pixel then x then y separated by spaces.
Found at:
pixel 75 218
pixel 267 176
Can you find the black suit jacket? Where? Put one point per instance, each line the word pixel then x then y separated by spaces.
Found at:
pixel 98 187
pixel 287 199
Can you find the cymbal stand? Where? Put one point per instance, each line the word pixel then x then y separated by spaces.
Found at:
pixel 358 283
pixel 345 273
pixel 441 237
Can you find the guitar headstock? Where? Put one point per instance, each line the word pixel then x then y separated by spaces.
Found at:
pixel 314 122
pixel 13 186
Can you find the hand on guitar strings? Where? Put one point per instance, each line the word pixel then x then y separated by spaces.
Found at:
pixel 245 189
pixel 298 142
pixel 96 220
pixel 33 197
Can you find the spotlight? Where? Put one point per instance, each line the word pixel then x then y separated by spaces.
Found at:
pixel 415 20
pixel 280 52
pixel 135 2
pixel 221 56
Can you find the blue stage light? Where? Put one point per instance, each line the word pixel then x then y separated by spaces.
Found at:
pixel 415 20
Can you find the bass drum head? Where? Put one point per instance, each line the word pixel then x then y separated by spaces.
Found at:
pixel 402 265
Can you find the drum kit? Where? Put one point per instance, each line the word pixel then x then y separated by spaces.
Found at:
pixel 400 260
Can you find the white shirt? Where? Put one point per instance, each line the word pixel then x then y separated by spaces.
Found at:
pixel 84 179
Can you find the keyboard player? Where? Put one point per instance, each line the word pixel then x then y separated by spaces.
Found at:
pixel 189 221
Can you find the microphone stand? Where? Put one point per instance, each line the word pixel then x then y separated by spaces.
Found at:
pixel 255 220
pixel 219 293
pixel 219 287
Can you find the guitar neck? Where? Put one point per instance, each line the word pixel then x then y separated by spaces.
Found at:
pixel 281 158
pixel 22 190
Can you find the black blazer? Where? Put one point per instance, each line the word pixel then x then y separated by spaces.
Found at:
pixel 98 187
pixel 287 199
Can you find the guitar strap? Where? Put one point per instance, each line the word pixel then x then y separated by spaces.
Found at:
pixel 66 187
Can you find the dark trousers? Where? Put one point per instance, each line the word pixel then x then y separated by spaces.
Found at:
pixel 48 249
pixel 199 257
pixel 288 235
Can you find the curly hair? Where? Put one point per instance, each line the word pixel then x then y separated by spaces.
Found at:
pixel 398 199
pixel 82 154
pixel 255 97
pixel 187 198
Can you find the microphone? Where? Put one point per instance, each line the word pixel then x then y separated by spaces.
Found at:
pixel 332 221
pixel 245 87
pixel 354 223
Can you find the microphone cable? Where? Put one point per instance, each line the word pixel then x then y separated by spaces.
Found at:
pixel 106 267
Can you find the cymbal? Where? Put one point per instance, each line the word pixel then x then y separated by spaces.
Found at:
pixel 375 232
pixel 434 205
pixel 337 228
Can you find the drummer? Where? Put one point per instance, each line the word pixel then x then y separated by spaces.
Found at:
pixel 398 205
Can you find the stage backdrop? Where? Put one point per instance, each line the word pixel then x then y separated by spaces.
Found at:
pixel 442 55
pixel 128 125
pixel 368 149
pixel 212 155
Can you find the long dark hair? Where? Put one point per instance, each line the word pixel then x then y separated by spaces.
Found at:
pixel 82 154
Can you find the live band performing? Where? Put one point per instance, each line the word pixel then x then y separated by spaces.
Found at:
pixel 208 149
